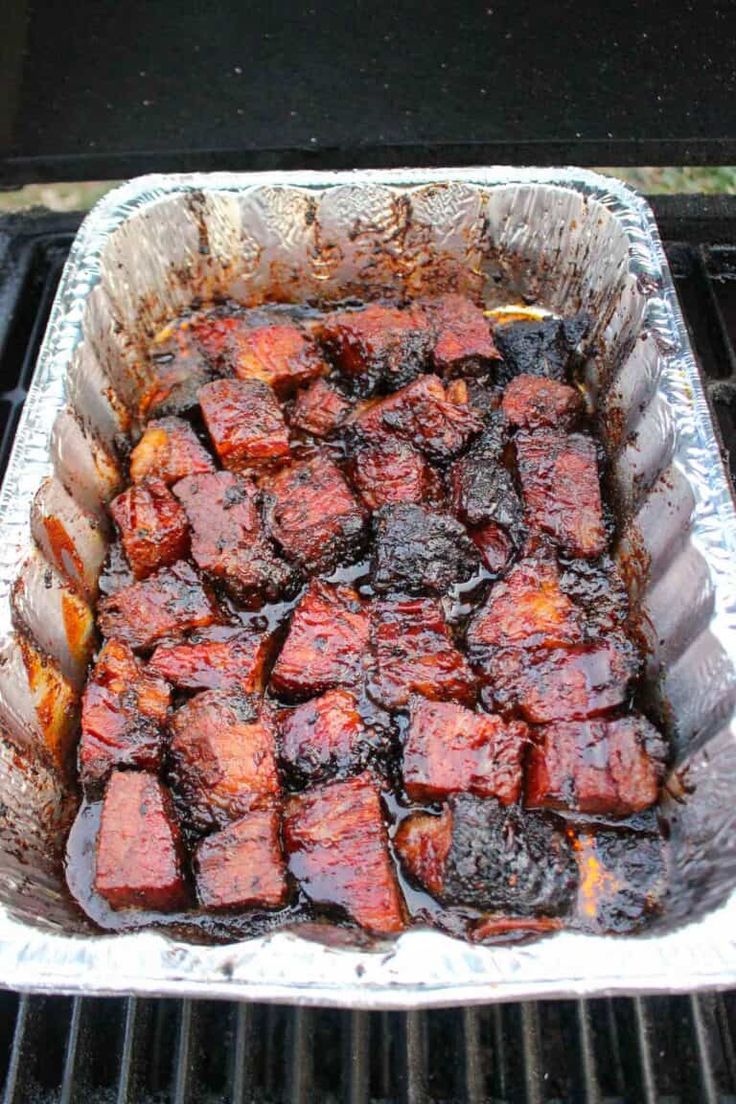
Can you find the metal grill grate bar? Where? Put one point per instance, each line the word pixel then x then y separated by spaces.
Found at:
pixel 356 1075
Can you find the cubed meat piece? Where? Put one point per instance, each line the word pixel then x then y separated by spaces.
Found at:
pixel 326 644
pixel 223 758
pixel 245 422
pixel 378 346
pixel 418 551
pixel 385 469
pixel 338 851
pixel 623 879
pixel 177 371
pixel 539 348
pixel 223 657
pixel 228 540
pixel 562 494
pixel 313 514
pixel 279 354
pixel 414 653
pixel 533 401
pixel 152 525
pixel 319 409
pixel 170 602
pixel 242 866
pixel 214 333
pixel 139 854
pixel 462 336
pixel 495 546
pixel 448 749
pixel 612 767
pixel 422 842
pixel 124 708
pixel 436 421
pixel 169 450
pixel 597 588
pixel 484 492
pixel 323 738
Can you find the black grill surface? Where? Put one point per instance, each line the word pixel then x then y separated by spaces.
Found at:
pixel 655 1049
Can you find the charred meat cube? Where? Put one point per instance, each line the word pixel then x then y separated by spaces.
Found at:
pixel 462 336
pixel 313 514
pixel 245 422
pixel 152 525
pixel 539 348
pixel 419 551
pixel 436 421
pixel 612 767
pixel 562 494
pixel 123 710
pixel 422 842
pixel 378 345
pixel 242 866
pixel 169 450
pixel 139 862
pixel 338 851
pixel 449 749
pixel 533 401
pixel 483 491
pixel 219 658
pixel 598 589
pixel 319 409
pixel 414 653
pixel 228 540
pixel 623 879
pixel 177 370
pixel 323 738
pixel 495 546
pixel 385 469
pixel 279 353
pixel 170 602
pixel 223 758
pixel 326 643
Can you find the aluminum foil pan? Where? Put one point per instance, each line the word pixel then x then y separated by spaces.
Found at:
pixel 564 239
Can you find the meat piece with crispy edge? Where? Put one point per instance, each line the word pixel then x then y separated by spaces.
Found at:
pixel 139 853
pixel 463 344
pixel 278 353
pixel 245 422
pixel 313 514
pixel 612 767
pixel 242 865
pixel 378 346
pixel 177 370
pixel 623 878
pixel 222 758
pixel 152 525
pixel 422 842
pixel 483 491
pixel 323 738
pixel 533 401
pixel 598 589
pixel 319 409
pixel 228 540
pixel 337 844
pixel 169 450
pixel 384 469
pixel 418 551
pixel 326 643
pixel 124 709
pixel 561 489
pixel 495 546
pixel 170 602
pixel 542 348
pixel 449 749
pixel 414 653
pixel 223 657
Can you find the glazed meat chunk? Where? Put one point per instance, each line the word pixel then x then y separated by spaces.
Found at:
pixel 124 708
pixel 170 602
pixel 323 738
pixel 223 657
pixel 533 401
pixel 462 336
pixel 177 370
pixel 415 653
pixel 314 516
pixel 623 879
pixel 319 409
pixel 338 851
pixel 448 749
pixel 278 353
pixel 139 862
pixel 539 348
pixel 386 469
pixel 169 450
pixel 152 525
pixel 419 551
pixel 495 546
pixel 378 346
pixel 422 842
pixel 245 422
pixel 439 422
pixel 242 866
pixel 326 643
pixel 483 490
pixel 597 588
pixel 228 541
pixel 562 494
pixel 223 758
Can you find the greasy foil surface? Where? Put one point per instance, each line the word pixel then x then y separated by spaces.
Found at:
pixel 565 239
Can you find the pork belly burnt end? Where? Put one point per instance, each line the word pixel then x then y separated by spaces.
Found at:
pixel 612 767
pixel 245 422
pixel 279 354
pixel 385 469
pixel 178 369
pixel 139 861
pixel 242 866
pixel 228 540
pixel 319 409
pixel 223 758
pixel 561 489
pixel 378 346
pixel 418 551
pixel 495 546
pixel 483 491
pixel 169 450
pixel 219 658
pixel 422 842
pixel 414 653
pixel 152 525
pixel 314 515
pixel 326 644
pixel 168 603
pixel 539 348
pixel 623 878
pixel 124 709
pixel 437 421
pixel 448 749
pixel 533 401
pixel 323 738
pixel 338 851
pixel 462 336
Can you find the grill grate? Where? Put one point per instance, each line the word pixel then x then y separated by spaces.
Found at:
pixel 148 1051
